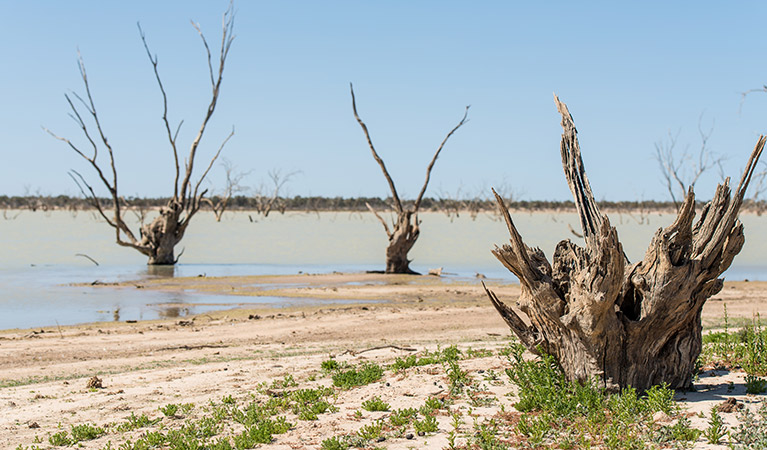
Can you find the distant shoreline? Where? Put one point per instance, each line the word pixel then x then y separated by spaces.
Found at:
pixel 448 206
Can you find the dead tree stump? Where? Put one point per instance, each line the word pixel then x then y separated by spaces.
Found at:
pixel 604 318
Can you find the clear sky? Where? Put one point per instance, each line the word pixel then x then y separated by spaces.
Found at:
pixel 630 72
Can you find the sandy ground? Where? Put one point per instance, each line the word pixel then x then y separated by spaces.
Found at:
pixel 145 365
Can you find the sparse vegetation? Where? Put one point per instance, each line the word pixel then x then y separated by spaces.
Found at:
pixel 746 348
pixel 366 374
pixel 548 410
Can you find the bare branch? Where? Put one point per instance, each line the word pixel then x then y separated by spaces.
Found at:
pixel 213 160
pixel 383 222
pixel 745 94
pixel 397 202
pixel 434 159
pixel 227 37
pixel 91 195
pixel 171 136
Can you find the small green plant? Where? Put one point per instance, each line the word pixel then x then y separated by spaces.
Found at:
pixel 169 410
pixel 334 443
pixel 451 353
pixel 371 432
pixel 427 425
pixel 432 404
pixel 457 377
pixel 485 436
pixel 86 432
pixel 680 431
pixel 402 417
pixel 368 373
pixel 536 428
pixel 286 382
pixel 755 385
pixel 309 403
pixel 60 439
pixel 375 404
pixel 661 398
pixel 751 433
pixel 135 422
pixel 330 365
pixel 716 428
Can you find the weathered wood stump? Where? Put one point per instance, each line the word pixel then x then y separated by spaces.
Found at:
pixel 602 317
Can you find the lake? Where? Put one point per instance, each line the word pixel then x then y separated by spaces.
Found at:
pixel 41 257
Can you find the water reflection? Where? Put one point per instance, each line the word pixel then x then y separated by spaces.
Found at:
pixel 160 271
pixel 172 312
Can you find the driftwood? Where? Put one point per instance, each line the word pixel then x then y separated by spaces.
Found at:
pixel 405 230
pixel 604 318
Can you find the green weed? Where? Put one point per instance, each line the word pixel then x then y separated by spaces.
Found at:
pixel 375 404
pixel 751 433
pixel 755 385
pixel 169 410
pixel 86 432
pixel 334 443
pixel 60 439
pixel 457 377
pixel 402 417
pixel 372 431
pixel 368 373
pixel 427 425
pixel 716 428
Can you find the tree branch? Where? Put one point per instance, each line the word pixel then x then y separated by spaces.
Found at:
pixel 397 202
pixel 383 222
pixel 171 136
pixel 434 159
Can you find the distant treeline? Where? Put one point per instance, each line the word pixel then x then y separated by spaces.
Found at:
pixel 312 204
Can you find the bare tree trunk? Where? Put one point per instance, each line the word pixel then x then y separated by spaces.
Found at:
pixel 160 237
pixel 401 240
pixel 600 316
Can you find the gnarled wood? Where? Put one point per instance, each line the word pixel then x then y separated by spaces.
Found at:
pixel 600 316
pixel 404 231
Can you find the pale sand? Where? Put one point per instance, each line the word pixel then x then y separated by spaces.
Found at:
pixel 150 364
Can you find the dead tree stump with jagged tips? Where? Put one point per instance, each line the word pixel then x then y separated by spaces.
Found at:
pixel 605 318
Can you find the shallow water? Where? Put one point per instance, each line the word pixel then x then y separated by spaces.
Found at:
pixel 39 257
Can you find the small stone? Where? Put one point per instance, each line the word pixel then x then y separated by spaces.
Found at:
pixel 409 436
pixel 34 425
pixel 387 384
pixel 421 433
pixel 381 439
pixel 481 371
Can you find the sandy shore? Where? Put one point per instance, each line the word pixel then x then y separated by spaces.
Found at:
pixel 236 353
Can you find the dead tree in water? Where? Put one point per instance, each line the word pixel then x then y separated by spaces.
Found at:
pixel 219 203
pixel 405 230
pixel 157 239
pixel 602 317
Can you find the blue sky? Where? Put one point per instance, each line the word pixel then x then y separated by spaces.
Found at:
pixel 629 72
